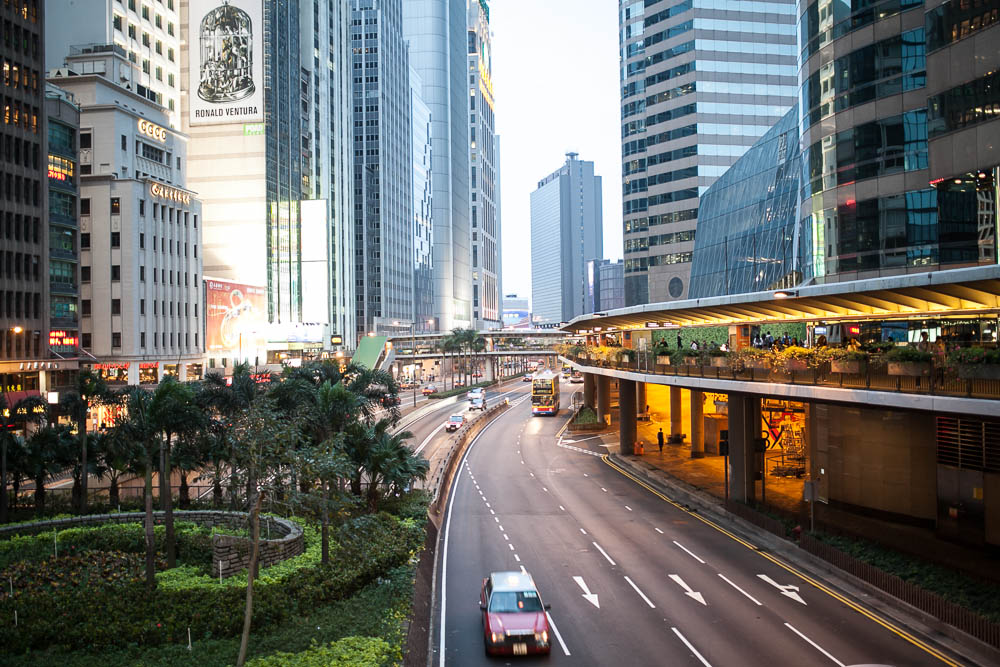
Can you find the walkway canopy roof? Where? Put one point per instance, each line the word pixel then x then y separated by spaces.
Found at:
pixel 970 291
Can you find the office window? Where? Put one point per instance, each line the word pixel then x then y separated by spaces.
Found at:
pixel 116 306
pixel 117 22
pixel 85 274
pixel 142 306
pixel 124 143
pixel 85 340
pixel 116 206
pixel 116 239
pixel 142 207
pixel 142 240
pixel 85 239
pixel 85 202
pixel 142 339
pixel 85 307
pixel 145 12
pixel 142 274
pixel 116 339
pixel 116 272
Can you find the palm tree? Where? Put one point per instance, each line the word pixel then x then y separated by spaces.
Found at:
pixel 172 410
pixel 478 345
pixel 115 455
pixel 137 426
pixel 48 452
pixel 452 345
pixel 394 465
pixel 27 410
pixel 90 387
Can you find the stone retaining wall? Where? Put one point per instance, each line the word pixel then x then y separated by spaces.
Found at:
pixel 230 554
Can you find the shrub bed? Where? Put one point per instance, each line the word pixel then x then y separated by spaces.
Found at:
pixel 348 652
pixel 363 549
pixel 459 390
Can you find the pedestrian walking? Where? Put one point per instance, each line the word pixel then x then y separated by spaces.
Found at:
pixel 678 341
pixel 659 439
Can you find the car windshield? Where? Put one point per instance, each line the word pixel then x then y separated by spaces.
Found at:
pixel 456 418
pixel 509 602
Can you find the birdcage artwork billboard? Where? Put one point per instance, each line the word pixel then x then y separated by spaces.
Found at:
pixel 226 61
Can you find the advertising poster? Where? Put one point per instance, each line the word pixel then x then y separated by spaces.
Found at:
pixel 235 317
pixel 226 61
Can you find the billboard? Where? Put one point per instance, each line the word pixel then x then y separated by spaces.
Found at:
pixel 226 61
pixel 235 317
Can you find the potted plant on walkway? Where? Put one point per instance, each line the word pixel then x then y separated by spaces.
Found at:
pixel 795 359
pixel 908 361
pixel 849 362
pixel 719 358
pixel 662 352
pixel 692 357
pixel 749 357
pixel 975 363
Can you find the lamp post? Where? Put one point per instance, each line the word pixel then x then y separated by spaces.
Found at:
pixel 413 354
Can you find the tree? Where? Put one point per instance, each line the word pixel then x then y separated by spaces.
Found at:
pixel 172 410
pixel 90 387
pixel 116 455
pixel 390 462
pixel 137 426
pixel 27 410
pixel 48 452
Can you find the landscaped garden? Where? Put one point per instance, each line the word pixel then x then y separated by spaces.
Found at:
pixel 332 585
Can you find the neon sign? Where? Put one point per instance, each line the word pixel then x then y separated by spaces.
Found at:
pixel 169 193
pixel 152 130
pixel 63 338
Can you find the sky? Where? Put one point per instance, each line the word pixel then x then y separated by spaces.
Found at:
pixel 555 76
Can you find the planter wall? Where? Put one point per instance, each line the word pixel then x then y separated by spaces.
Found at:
pixel 851 367
pixel 979 371
pixel 663 360
pixel 796 365
pixel 909 368
pixel 720 362
pixel 760 364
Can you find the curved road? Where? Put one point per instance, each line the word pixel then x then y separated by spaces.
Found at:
pixel 630 576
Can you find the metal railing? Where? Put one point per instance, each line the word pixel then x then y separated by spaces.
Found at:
pixel 931 603
pixel 936 378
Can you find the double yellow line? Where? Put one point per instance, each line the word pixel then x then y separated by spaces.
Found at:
pixel 837 596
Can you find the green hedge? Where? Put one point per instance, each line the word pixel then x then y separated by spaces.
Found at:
pixel 348 652
pixel 110 615
pixel 459 390
pixel 194 542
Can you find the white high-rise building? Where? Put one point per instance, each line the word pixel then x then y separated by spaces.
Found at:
pixel 484 161
pixel 436 32
pixel 566 231
pixel 140 228
pixel 148 32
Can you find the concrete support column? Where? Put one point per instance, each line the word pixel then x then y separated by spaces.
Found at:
pixel 697 425
pixel 675 411
pixel 744 426
pixel 133 372
pixel 627 415
pixel 490 374
pixel 182 372
pixel 640 396
pixel 589 389
pixel 603 396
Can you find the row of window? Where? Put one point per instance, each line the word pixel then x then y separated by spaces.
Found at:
pixel 159 275
pixel 165 248
pixel 158 307
pixel 20 304
pixel 20 190
pixel 19 265
pixel 18 76
pixel 20 40
pixel 643 263
pixel 957 19
pixel 643 224
pixel 27 9
pixel 643 243
pixel 971 103
pixel 634 185
pixel 25 117
pixel 17 227
pixel 20 151
pixel 826 20
pixel 116 340
pixel 878 70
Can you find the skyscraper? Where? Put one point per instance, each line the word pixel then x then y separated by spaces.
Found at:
pixel 24 301
pixel 484 162
pixel 566 231
pixel 702 80
pixel 436 32
pixel 384 223
pixel 423 208
pixel 149 33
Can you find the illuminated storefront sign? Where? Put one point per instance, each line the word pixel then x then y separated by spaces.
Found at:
pixel 253 129
pixel 169 193
pixel 152 130
pixel 236 317
pixel 63 338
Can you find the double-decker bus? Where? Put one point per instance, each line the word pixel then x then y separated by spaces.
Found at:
pixel 545 393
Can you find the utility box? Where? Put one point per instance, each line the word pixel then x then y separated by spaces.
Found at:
pixel 715 424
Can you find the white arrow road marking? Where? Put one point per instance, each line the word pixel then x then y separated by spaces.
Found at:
pixel 787 590
pixel 692 648
pixel 752 598
pixel 687 589
pixel 815 645
pixel 587 595
pixel 641 594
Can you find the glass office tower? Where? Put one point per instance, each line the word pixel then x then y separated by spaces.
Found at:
pixel 701 80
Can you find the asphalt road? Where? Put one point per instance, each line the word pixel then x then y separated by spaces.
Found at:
pixel 630 577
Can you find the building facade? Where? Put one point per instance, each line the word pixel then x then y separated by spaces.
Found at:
pixel 384 221
pixel 436 33
pixel 566 231
pixel 702 80
pixel 423 208
pixel 484 168
pixel 63 130
pixel 140 229
pixel 748 237
pixel 24 302
pixel 605 285
pixel 148 32
pixel 516 312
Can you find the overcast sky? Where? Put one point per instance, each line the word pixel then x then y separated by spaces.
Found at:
pixel 555 73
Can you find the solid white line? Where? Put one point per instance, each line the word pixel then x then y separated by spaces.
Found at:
pixel 428 439
pixel 605 553
pixel 628 508
pixel 583 531
pixel 815 645
pixel 752 598
pixel 555 631
pixel 688 552
pixel 692 648
pixel 641 594
pixel 658 530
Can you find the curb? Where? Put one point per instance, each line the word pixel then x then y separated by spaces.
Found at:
pixel 933 631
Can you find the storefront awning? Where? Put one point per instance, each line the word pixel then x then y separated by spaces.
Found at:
pixel 971 291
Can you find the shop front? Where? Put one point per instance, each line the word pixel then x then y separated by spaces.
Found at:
pixel 114 373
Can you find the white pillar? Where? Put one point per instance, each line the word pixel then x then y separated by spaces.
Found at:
pixel 182 372
pixel 133 372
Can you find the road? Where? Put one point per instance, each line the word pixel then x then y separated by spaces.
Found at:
pixel 630 576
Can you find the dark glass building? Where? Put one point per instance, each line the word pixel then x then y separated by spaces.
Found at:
pixel 747 218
